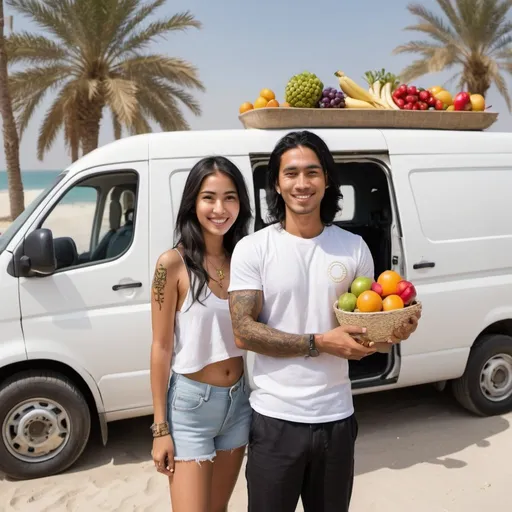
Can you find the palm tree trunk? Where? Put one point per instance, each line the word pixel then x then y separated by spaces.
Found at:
pixel 90 126
pixel 10 133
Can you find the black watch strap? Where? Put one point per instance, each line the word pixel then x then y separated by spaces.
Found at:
pixel 313 351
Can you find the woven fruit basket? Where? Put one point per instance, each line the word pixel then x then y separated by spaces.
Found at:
pixel 379 326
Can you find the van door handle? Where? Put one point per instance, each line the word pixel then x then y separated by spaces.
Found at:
pixel 424 264
pixel 126 285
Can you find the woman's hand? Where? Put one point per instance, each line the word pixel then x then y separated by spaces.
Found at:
pixel 163 454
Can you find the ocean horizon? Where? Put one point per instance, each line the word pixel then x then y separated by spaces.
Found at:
pixel 32 180
pixel 39 180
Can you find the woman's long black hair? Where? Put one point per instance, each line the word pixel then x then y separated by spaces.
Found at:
pixel 329 206
pixel 188 232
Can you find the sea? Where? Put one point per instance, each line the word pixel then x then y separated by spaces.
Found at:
pixel 39 180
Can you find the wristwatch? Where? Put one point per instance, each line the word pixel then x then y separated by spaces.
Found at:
pixel 313 351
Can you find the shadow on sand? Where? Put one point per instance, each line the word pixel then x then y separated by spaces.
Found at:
pixel 397 429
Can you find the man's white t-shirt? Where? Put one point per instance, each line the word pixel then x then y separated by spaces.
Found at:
pixel 300 279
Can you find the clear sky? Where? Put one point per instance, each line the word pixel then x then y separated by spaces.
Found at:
pixel 247 45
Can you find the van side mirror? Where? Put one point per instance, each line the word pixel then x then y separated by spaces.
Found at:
pixel 38 253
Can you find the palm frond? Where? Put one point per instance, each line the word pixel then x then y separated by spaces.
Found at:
pixel 501 84
pixel 173 69
pixel 47 18
pixel 32 48
pixel 142 39
pixel 434 26
pixel 27 110
pixel 162 89
pixel 54 120
pixel 121 96
pixel 128 20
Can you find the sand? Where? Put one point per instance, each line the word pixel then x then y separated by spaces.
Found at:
pixel 417 450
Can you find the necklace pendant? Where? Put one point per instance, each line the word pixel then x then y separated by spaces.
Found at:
pixel 220 273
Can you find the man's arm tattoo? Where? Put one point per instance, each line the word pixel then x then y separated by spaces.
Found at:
pixel 159 281
pixel 257 337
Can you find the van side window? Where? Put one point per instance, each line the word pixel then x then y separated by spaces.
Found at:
pixel 93 221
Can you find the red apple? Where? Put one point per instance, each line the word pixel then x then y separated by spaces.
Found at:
pixel 461 101
pixel 377 288
pixel 406 291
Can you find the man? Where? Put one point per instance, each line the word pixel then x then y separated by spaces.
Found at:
pixel 281 293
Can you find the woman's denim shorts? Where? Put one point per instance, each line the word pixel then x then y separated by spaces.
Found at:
pixel 205 418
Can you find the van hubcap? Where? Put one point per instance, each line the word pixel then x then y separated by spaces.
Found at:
pixel 36 430
pixel 496 378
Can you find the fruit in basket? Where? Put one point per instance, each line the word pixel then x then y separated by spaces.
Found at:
pixel 272 103
pixel 304 90
pixel 285 104
pixel 369 302
pixel 462 101
pixel 332 98
pixel 445 97
pixel 261 102
pixel 347 302
pixel 268 94
pixel 361 284
pixel 381 87
pixel 406 291
pixel 392 302
pixel 352 90
pixel 389 280
pixel 245 107
pixel 377 288
pixel 477 102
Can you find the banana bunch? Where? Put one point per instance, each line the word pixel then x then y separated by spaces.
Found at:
pixel 381 86
pixel 356 96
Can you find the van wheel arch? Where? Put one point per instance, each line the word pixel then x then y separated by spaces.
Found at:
pixel 98 422
pixel 467 389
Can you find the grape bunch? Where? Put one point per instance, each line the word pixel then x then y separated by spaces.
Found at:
pixel 331 98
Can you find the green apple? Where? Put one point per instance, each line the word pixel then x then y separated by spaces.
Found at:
pixel 347 302
pixel 360 285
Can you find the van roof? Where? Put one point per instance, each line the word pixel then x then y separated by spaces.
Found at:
pixel 200 143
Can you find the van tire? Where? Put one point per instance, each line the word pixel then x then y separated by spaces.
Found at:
pixel 58 389
pixel 467 389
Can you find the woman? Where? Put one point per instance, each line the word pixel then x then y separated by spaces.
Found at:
pixel 201 421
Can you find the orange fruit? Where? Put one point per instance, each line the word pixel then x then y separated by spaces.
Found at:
pixel 389 280
pixel 369 302
pixel 244 107
pixel 268 94
pixel 285 104
pixel 261 102
pixel 273 103
pixel 444 96
pixel 435 89
pixel 392 302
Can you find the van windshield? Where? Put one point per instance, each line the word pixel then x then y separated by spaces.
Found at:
pixel 9 233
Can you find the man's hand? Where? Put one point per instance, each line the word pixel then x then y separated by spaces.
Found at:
pixel 405 330
pixel 340 343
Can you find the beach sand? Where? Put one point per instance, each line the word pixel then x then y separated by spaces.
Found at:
pixel 417 450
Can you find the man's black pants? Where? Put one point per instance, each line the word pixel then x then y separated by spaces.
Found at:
pixel 289 460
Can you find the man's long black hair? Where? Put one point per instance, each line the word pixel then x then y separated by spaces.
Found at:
pixel 188 231
pixel 329 206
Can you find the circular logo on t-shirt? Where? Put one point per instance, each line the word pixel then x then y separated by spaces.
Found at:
pixel 337 271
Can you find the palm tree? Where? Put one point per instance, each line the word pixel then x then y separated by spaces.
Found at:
pixel 94 58
pixel 475 38
pixel 11 140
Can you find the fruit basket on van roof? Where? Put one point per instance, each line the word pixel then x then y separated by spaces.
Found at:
pixel 293 118
pixel 386 103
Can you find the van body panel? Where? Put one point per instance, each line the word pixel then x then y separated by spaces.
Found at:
pixel 76 311
pixel 12 344
pixel 470 280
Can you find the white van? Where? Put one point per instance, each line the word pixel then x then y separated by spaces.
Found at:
pixel 75 329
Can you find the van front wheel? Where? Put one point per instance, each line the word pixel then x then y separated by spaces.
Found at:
pixel 45 424
pixel 485 388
